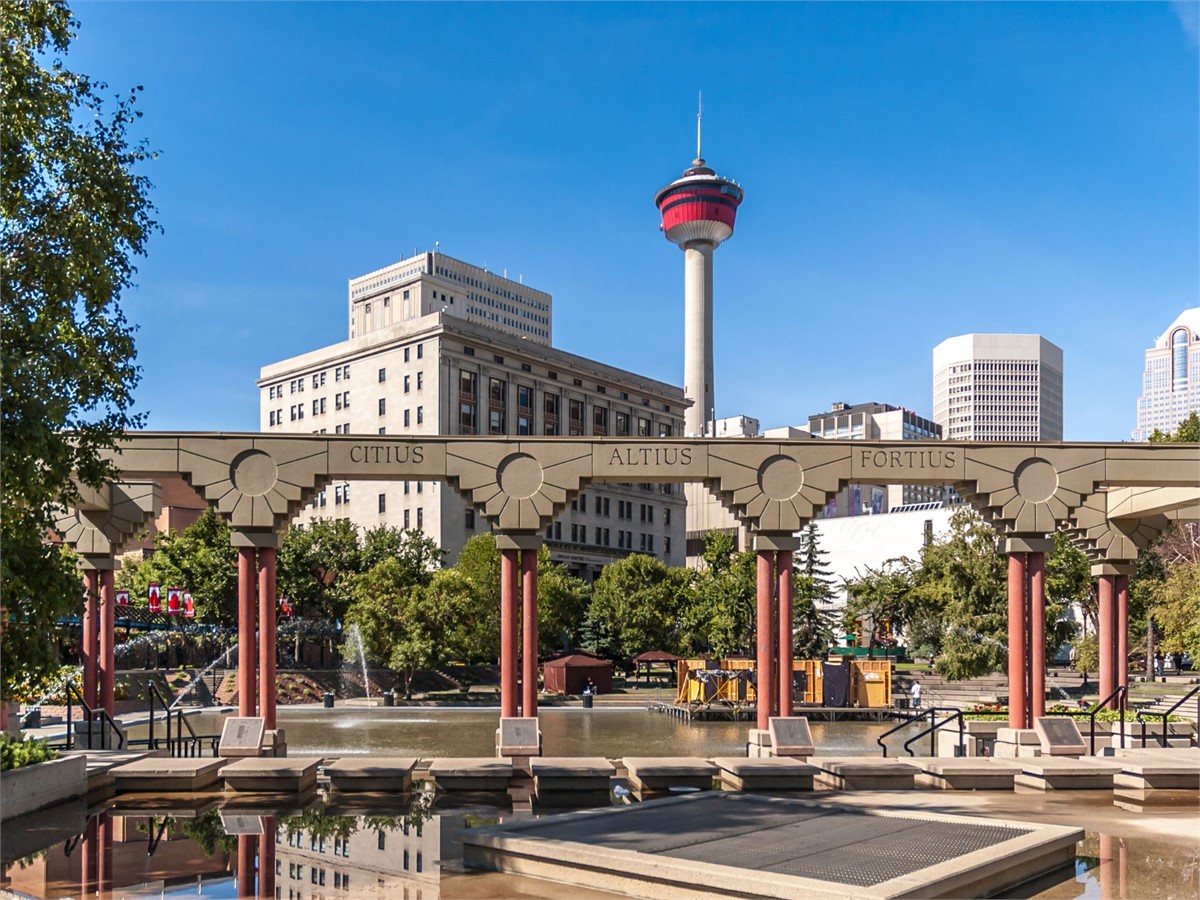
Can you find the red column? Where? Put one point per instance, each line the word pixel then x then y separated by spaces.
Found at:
pixel 508 633
pixel 266 860
pixel 245 864
pixel 1017 651
pixel 1037 635
pixel 764 629
pixel 786 586
pixel 1122 665
pixel 1107 638
pixel 91 635
pixel 266 635
pixel 108 627
pixel 246 654
pixel 529 632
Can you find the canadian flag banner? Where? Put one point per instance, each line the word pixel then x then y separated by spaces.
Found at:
pixel 189 608
pixel 155 596
pixel 122 598
pixel 285 608
pixel 174 601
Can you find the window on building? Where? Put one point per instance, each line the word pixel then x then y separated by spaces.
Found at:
pixel 622 423
pixel 599 421
pixel 420 380
pixel 382 406
pixel 383 503
pixel 407 383
pixel 420 518
pixel 420 414
pixel 406 418
pixel 469 520
pixel 643 427
pixel 406 354
pixel 382 375
pixel 574 417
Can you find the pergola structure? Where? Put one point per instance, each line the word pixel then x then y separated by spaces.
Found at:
pixel 1111 498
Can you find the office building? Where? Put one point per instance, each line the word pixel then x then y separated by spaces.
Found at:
pixel 448 367
pixel 998 387
pixel 1171 381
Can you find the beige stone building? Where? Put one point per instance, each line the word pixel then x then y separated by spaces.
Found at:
pixel 453 369
pixel 998 387
pixel 1171 380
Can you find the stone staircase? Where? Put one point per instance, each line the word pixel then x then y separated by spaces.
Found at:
pixel 1061 687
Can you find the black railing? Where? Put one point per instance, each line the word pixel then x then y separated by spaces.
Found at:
pixel 176 743
pixel 1162 737
pixel 1122 692
pixel 934 725
pixel 929 713
pixel 92 717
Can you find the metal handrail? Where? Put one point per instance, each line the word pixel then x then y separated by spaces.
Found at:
pixel 1162 738
pixel 1122 692
pixel 931 711
pixel 91 716
pixel 934 726
pixel 180 723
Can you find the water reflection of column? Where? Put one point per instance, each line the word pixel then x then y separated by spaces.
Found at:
pixel 266 635
pixel 764 629
pixel 245 865
pixel 91 635
pixel 87 859
pixel 1037 635
pixel 783 568
pixel 1016 641
pixel 508 633
pixel 1109 880
pixel 107 645
pixel 246 616
pixel 266 860
pixel 529 629
pixel 104 835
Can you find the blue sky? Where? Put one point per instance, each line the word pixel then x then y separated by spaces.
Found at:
pixel 912 171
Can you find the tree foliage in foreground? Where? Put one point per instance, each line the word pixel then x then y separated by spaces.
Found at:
pixel 75 214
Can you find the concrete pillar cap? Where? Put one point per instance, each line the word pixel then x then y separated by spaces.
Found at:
pixel 518 540
pixel 265 539
pixel 786 542
pixel 1027 544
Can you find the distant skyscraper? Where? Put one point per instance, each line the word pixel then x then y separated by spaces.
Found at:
pixel 998 387
pixel 1171 382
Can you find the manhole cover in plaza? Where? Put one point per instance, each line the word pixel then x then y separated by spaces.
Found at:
pixel 749 845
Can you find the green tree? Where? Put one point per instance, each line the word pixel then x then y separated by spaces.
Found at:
pixel 1175 598
pixel 812 619
pixel 959 597
pixel 199 559
pixel 407 622
pixel 1068 581
pixel 315 564
pixel 412 547
pixel 717 604
pixel 637 599
pixel 877 596
pixel 75 215
pixel 1188 432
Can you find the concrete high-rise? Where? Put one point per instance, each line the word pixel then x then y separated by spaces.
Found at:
pixel 998 387
pixel 1171 381
pixel 698 213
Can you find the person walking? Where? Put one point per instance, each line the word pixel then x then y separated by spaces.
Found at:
pixel 914 694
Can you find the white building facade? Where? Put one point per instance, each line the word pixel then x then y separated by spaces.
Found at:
pixel 1171 380
pixel 437 372
pixel 998 387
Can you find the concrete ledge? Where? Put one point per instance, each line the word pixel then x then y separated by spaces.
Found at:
pixel 167 775
pixel 1161 773
pixel 43 784
pixel 371 773
pixel 963 774
pixel 100 764
pixel 660 773
pixel 1057 773
pixel 764 774
pixel 266 775
pixel 471 773
pixel 861 773
pixel 571 774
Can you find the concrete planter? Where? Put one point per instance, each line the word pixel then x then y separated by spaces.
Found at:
pixel 44 784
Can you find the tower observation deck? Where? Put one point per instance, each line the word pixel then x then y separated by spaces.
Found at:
pixel 698 213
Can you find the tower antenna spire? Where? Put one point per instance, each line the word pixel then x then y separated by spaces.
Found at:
pixel 699 116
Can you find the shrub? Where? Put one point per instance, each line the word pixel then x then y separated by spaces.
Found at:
pixel 15 753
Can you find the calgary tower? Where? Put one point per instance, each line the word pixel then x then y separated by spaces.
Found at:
pixel 698 212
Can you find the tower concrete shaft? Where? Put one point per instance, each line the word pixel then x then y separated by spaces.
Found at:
pixel 698 379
